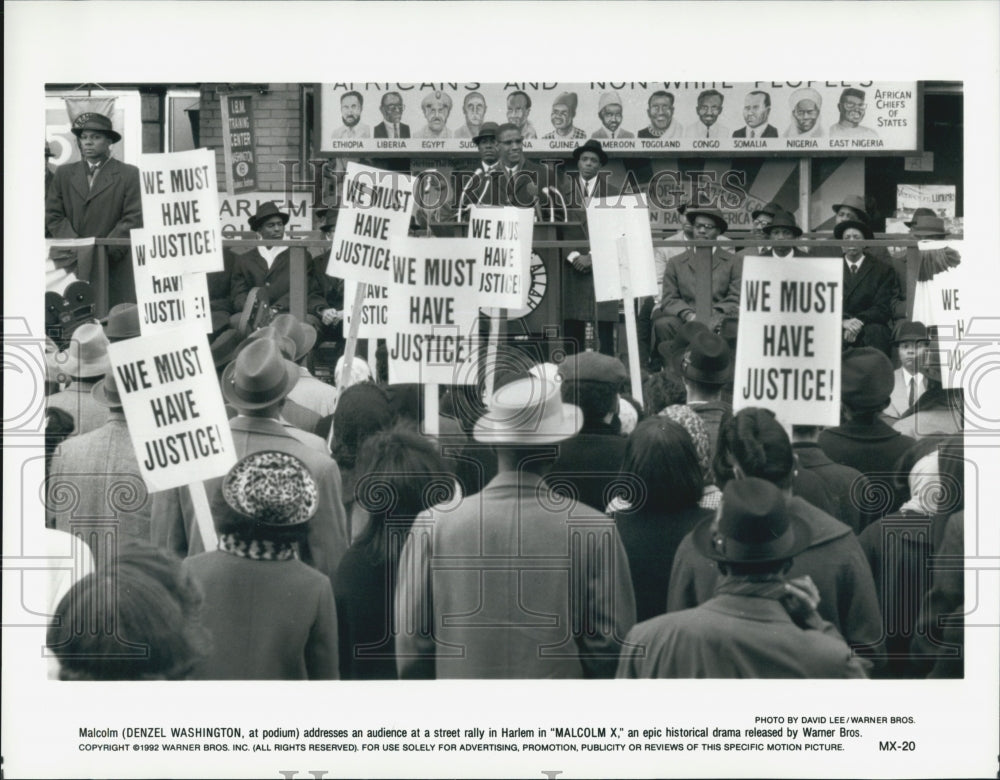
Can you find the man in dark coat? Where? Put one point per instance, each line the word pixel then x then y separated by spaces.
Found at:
pixel 515 181
pixel 758 622
pixel 862 440
pixel 589 462
pixel 869 287
pixel 97 196
pixel 579 305
pixel 268 268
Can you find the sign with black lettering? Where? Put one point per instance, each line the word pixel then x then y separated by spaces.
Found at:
pixel 171 398
pixel 180 209
pixel 376 208
pixel 948 300
pixel 374 322
pixel 789 340
pixel 167 295
pixel 238 136
pixel 503 235
pixel 434 310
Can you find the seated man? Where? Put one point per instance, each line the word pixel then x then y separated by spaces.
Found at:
pixel 677 304
pixel 268 269
pixel 869 286
pixel 909 383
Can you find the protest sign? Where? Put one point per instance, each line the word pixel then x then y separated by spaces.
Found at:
pixel 171 398
pixel 946 301
pixel 374 321
pixel 376 207
pixel 789 340
pixel 503 236
pixel 180 208
pixel 238 137
pixel 433 311
pixel 608 219
pixel 167 295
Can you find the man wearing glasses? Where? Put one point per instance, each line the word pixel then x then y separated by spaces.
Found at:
pixel 852 111
pixel 806 105
pixel 392 111
pixel 677 303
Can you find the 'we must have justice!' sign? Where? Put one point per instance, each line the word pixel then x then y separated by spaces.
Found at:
pixel 789 341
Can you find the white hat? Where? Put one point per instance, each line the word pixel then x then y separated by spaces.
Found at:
pixel 608 99
pixel 528 411
pixel 806 93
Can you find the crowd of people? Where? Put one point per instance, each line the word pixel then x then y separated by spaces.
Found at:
pixel 556 527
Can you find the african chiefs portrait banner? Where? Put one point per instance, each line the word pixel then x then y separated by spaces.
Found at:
pixel 791 117
pixel 789 340
pixel 173 404
pixel 434 311
pixel 180 208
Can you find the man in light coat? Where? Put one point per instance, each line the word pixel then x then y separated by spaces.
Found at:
pixel 513 582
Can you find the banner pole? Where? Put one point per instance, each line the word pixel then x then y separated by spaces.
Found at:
pixel 432 420
pixel 352 335
pixel 492 349
pixel 631 329
pixel 203 516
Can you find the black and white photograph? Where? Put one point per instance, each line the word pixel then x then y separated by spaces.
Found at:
pixel 381 410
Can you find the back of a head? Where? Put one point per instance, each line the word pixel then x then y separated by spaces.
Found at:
pixel 755 441
pixel 596 399
pixel 361 410
pixel 662 457
pixel 146 610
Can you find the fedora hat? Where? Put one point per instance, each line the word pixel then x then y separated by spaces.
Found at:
pixel 303 335
pixel 926 226
pixel 855 203
pixel 594 146
pixel 713 214
pixel 123 322
pixel 94 122
pixel 285 344
pixel 923 211
pixel 771 209
pixel 866 379
pixel 672 351
pixel 842 227
pixel 487 130
pixel 271 489
pixel 753 525
pixel 528 411
pixel 910 331
pixel 264 212
pixel 707 359
pixel 86 356
pixel 593 367
pixel 259 377
pixel 782 219
pixel 225 348
pixel 105 392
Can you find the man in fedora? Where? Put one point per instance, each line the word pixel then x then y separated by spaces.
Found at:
pixel 705 367
pixel 589 462
pixel 122 322
pixel 97 197
pixel 563 116
pixel 482 619
pixel 758 623
pixel 909 382
pixel 925 226
pixel 868 290
pixel 256 385
pixel 267 271
pixel 609 111
pixel 782 227
pixel 101 467
pixel 310 392
pixel 482 180
pixel 677 301
pixel 84 362
pixel 579 305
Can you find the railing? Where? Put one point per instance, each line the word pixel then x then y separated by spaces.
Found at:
pixel 702 248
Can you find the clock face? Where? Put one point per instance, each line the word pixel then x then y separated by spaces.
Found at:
pixel 536 291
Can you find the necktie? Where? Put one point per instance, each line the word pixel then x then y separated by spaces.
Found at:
pixel 92 174
pixel 854 269
pixel 913 390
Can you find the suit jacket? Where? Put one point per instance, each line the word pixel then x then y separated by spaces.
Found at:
pixel 250 270
pixel 499 189
pixel 479 602
pixel 736 636
pixel 770 131
pixel 382 132
pixel 834 560
pixel 578 286
pixel 679 284
pixel 899 399
pixel 100 471
pixel 868 294
pixel 76 400
pixel 175 528
pixel 270 620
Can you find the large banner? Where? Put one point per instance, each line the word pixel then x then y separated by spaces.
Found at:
pixel 789 340
pixel 948 301
pixel 794 117
pixel 171 398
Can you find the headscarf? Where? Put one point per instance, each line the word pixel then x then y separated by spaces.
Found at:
pixel 693 424
pixel 925 486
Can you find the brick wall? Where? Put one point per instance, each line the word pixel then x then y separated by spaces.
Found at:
pixel 277 125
